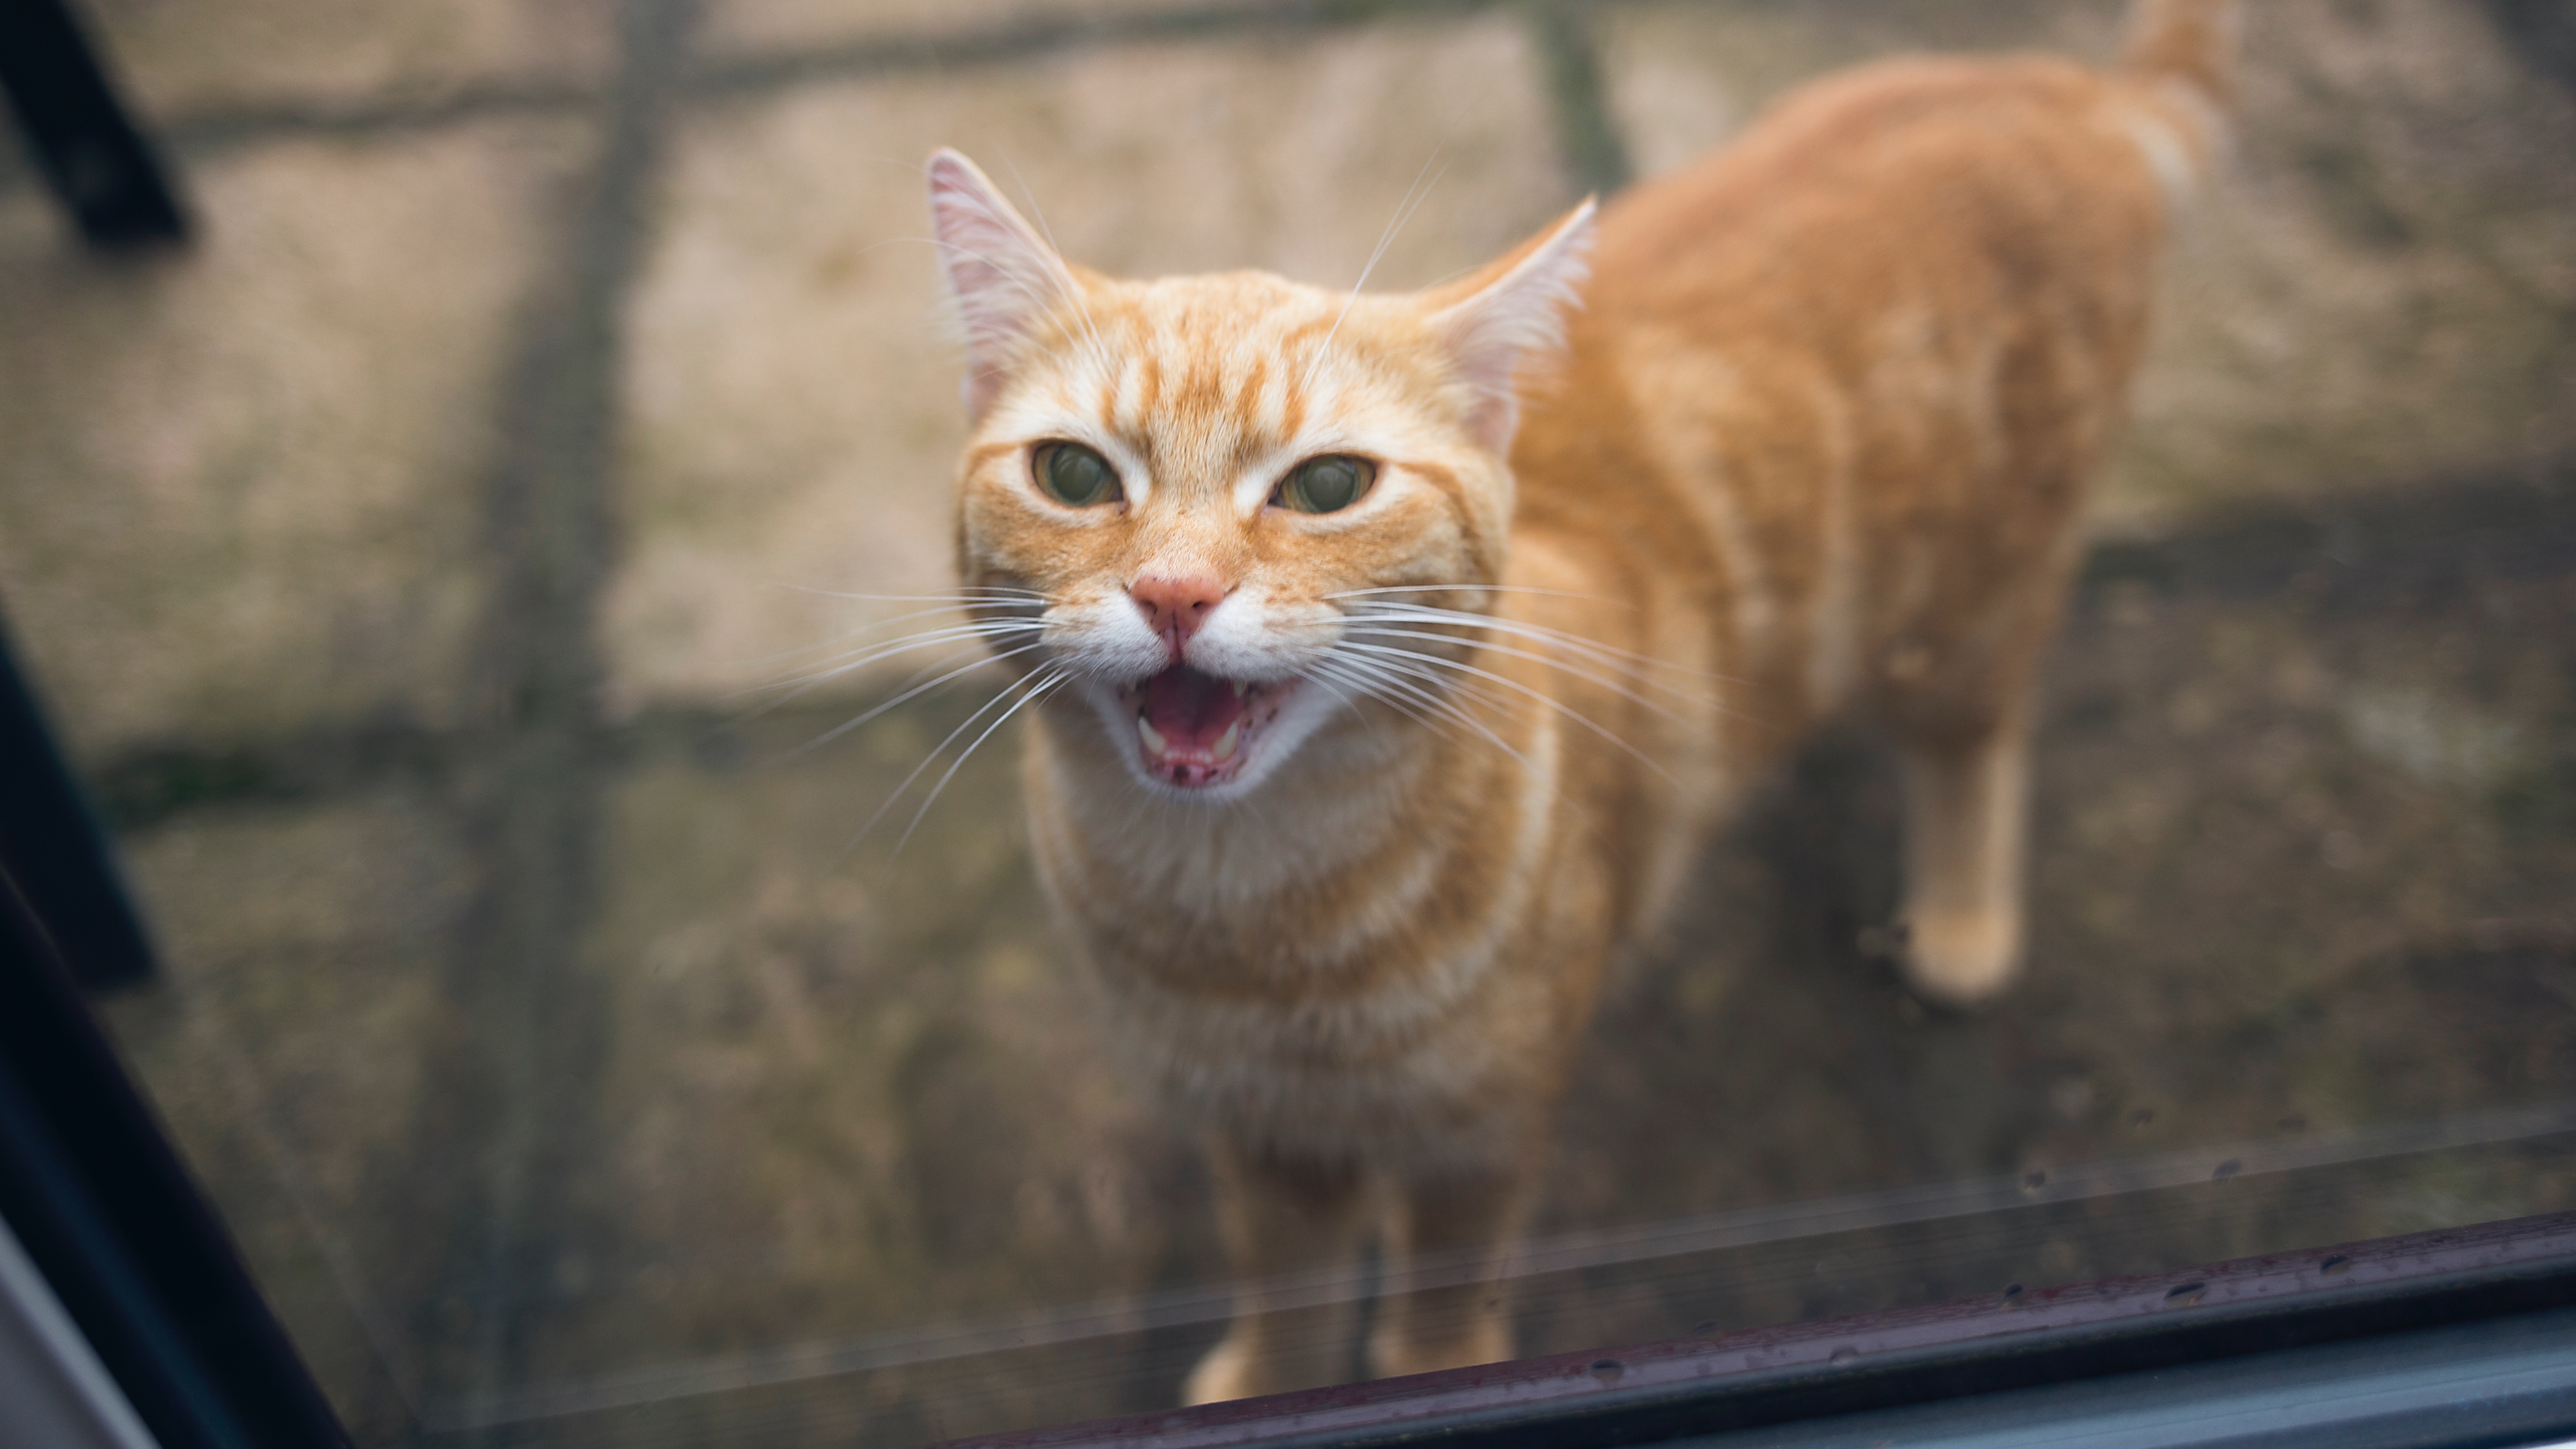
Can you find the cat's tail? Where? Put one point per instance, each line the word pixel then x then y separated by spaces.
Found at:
pixel 2183 54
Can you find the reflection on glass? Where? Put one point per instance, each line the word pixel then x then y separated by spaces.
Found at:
pixel 409 565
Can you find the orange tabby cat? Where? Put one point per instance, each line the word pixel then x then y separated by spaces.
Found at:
pixel 1390 656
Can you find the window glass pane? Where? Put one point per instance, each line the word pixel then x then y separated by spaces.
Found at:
pixel 500 587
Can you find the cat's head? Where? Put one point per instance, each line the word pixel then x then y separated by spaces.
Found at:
pixel 1196 483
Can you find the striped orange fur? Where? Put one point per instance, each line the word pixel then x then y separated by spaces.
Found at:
pixel 1391 655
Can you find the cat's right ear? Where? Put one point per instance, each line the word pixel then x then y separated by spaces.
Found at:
pixel 1512 313
pixel 1005 277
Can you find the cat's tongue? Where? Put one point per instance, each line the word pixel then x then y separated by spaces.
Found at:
pixel 1190 711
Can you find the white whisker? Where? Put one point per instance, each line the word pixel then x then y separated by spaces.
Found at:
pixel 1428 687
pixel 1063 284
pixel 840 639
pixel 1350 690
pixel 1575 643
pixel 927 760
pixel 987 594
pixel 1475 589
pixel 1439 688
pixel 972 628
pixel 798 685
pixel 867 654
pixel 1099 347
pixel 846 726
pixel 1430 694
pixel 1628 664
pixel 973 651
pixel 1047 684
pixel 1061 278
pixel 1434 690
pixel 1515 685
pixel 1403 213
pixel 1489 647
pixel 1367 680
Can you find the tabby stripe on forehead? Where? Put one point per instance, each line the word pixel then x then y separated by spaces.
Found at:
pixel 1292 407
pixel 1316 327
pixel 1112 388
pixel 1247 400
pixel 1149 389
pixel 1203 393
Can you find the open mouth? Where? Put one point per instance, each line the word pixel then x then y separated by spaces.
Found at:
pixel 1195 730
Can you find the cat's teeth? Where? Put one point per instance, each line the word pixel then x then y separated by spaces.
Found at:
pixel 1155 744
pixel 1239 688
pixel 1226 742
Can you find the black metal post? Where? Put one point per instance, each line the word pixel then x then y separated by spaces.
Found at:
pixel 92 154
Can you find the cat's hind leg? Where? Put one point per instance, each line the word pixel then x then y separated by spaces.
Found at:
pixel 1289 1227
pixel 1967 804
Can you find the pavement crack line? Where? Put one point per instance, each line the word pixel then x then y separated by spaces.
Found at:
pixel 520 1113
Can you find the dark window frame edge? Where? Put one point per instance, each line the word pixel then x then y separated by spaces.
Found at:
pixel 129 1242
pixel 1820 1368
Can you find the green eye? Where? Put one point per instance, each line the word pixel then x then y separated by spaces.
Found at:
pixel 1326 485
pixel 1072 473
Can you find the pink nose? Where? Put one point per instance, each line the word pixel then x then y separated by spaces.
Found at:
pixel 1175 606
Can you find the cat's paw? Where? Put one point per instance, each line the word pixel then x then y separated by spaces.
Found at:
pixel 1961 959
pixel 1225 1373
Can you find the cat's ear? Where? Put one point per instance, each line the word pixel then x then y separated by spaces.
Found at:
pixel 1005 277
pixel 1511 314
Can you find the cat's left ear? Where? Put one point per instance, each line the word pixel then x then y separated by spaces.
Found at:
pixel 1004 275
pixel 1510 314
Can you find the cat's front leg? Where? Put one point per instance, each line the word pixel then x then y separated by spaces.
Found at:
pixel 1447 1237
pixel 1291 1229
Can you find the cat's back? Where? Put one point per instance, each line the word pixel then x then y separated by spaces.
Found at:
pixel 1883 184
pixel 1862 356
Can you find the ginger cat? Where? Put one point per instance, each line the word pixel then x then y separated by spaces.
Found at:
pixel 1391 655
